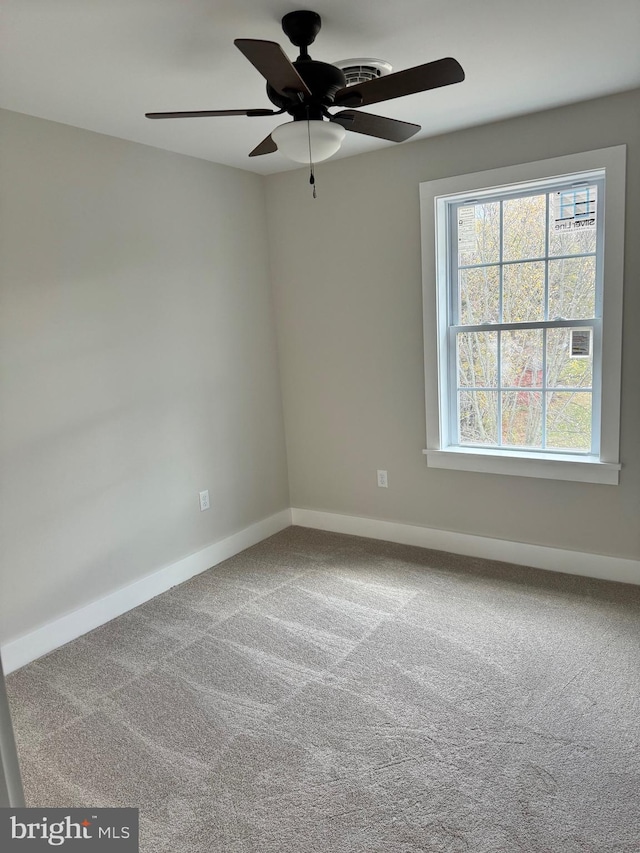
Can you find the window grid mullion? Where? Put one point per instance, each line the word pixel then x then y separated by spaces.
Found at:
pixel 501 262
pixel 454 402
pixel 544 388
pixel 587 389
pixel 546 257
pixel 501 316
pixel 546 317
pixel 454 289
pixel 578 323
pixel 499 391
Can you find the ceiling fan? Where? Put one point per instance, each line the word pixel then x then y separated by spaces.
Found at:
pixel 306 89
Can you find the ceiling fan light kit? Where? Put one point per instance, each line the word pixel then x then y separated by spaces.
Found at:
pixel 308 141
pixel 307 90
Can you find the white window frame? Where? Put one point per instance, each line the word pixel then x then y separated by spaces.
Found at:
pixel 603 467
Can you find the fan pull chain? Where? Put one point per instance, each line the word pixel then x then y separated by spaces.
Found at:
pixel 312 177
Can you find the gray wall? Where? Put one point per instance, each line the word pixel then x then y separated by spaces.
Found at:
pixel 346 271
pixel 138 364
pixel 138 358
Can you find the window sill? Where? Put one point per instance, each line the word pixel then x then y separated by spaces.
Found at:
pixel 581 469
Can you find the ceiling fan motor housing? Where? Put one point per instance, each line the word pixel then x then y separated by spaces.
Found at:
pixel 324 81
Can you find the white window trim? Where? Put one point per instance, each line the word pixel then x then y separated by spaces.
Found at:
pixel 586 469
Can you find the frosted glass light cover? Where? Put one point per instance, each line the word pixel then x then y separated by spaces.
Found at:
pixel 292 139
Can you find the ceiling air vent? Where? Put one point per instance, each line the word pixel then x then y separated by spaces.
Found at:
pixel 363 69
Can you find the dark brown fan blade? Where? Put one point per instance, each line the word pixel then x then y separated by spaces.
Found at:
pixel 421 78
pixel 206 113
pixel 267 146
pixel 274 65
pixel 371 125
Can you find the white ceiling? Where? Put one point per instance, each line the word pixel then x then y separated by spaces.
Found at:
pixel 101 64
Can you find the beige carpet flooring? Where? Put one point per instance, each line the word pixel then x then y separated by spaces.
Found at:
pixel 322 693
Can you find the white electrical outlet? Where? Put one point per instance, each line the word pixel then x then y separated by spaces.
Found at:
pixel 383 482
pixel 204 500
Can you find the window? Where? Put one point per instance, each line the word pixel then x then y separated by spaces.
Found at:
pixel 525 274
pixel 523 297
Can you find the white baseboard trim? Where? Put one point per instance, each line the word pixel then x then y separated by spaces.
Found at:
pixel 29 647
pixel 22 650
pixel 539 556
